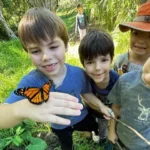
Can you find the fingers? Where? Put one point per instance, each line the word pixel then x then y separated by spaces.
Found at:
pixel 58 120
pixel 60 102
pixel 65 96
pixel 64 111
pixel 67 104
pixel 108 113
pixel 106 117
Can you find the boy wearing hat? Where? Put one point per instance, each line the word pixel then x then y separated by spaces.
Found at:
pixel 130 95
pixel 139 51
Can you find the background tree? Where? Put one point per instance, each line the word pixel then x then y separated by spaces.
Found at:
pixel 9 32
pixel 105 14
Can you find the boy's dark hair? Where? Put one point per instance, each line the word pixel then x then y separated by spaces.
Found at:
pixel 79 5
pixel 95 43
pixel 40 24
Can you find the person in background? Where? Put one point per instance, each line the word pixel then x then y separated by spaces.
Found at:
pixel 58 104
pixel 139 50
pixel 81 22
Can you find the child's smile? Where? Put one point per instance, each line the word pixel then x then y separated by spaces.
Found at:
pixel 50 67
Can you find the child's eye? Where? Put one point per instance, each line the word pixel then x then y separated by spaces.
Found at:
pixel 104 60
pixel 53 47
pixel 34 51
pixel 89 62
pixel 134 32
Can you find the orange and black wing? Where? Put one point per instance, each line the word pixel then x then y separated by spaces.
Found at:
pixel 45 90
pixel 36 95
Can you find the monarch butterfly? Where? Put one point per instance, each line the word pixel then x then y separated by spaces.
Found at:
pixel 35 95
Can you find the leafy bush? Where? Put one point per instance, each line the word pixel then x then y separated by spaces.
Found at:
pixel 22 136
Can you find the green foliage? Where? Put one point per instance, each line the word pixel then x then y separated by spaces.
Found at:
pixel 109 13
pixel 22 136
pixel 121 41
pixel 81 143
pixel 36 144
pixel 68 16
pixel 12 11
pixel 105 14
pixel 14 64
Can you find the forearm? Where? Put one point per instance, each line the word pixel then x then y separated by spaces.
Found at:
pixel 9 116
pixel 112 123
pixel 58 104
pixel 92 101
pixel 112 126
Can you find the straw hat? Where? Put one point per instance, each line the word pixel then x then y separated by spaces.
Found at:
pixel 141 21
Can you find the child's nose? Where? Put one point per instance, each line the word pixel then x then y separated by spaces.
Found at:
pixel 141 41
pixel 98 66
pixel 46 56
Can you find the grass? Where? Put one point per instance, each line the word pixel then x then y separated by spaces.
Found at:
pixel 14 64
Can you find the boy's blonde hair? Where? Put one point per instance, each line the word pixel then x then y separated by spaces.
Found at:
pixel 40 24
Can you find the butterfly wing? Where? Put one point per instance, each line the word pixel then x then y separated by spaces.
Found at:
pixel 30 93
pixel 45 90
pixel 36 95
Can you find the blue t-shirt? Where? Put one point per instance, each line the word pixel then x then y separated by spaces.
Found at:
pixel 102 93
pixel 75 83
pixel 131 93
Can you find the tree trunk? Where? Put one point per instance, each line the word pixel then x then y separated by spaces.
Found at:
pixel 9 32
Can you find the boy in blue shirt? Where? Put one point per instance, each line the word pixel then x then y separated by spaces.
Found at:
pixel 45 39
pixel 96 53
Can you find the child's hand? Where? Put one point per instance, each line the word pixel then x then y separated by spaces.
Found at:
pixel 107 112
pixel 58 104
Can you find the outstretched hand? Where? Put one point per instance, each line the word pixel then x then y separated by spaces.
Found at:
pixel 58 104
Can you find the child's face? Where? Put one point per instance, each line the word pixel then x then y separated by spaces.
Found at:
pixel 140 42
pixel 80 10
pixel 48 56
pixel 98 68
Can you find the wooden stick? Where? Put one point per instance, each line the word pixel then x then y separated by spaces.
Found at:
pixel 136 132
pixel 117 143
pixel 132 129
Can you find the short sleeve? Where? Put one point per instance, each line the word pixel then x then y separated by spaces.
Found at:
pixel 115 93
pixel 29 80
pixel 86 86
